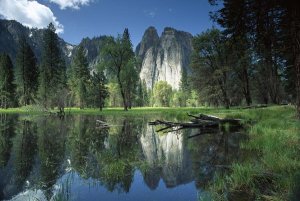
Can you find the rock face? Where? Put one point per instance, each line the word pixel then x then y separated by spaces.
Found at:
pixel 164 58
pixel 92 49
pixel 11 32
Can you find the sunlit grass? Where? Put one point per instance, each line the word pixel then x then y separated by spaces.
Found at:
pixel 271 176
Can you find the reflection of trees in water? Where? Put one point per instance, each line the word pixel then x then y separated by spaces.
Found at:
pixel 84 141
pixel 117 161
pixel 51 149
pixel 109 155
pixel 7 132
pixel 106 154
pixel 213 152
pixel 25 150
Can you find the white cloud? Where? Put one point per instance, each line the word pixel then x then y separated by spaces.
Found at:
pixel 30 13
pixel 75 4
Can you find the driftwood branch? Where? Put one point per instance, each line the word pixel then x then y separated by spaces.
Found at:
pixel 202 121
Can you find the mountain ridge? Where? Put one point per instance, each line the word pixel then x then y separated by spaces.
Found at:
pixel 163 57
pixel 11 32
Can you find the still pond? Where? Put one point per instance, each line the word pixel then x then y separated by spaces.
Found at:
pixel 48 158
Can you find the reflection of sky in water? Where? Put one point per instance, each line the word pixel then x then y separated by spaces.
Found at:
pixel 87 190
pixel 78 161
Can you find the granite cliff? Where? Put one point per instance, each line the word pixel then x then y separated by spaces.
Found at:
pixel 165 57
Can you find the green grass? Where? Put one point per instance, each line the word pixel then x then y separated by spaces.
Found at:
pixel 176 113
pixel 275 137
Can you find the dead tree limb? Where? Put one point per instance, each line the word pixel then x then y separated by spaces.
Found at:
pixel 201 121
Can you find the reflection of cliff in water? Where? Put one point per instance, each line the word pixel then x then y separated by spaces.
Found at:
pixel 38 152
pixel 168 158
pixel 177 160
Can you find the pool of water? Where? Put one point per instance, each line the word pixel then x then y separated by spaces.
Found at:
pixel 47 158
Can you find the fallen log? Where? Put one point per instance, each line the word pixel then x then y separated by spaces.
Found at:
pixel 205 117
pixel 202 118
pixel 201 121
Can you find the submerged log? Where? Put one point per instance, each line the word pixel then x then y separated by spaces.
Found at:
pixel 202 121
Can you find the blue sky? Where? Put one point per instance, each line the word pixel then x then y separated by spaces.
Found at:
pixel 89 18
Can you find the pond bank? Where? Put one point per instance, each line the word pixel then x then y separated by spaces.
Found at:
pixel 273 139
pixel 273 174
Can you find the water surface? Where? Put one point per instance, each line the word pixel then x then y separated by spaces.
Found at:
pixel 47 158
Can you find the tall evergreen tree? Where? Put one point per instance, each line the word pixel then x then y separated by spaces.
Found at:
pixel 7 88
pixel 26 74
pixel 184 87
pixel 142 95
pixel 273 29
pixel 99 91
pixel 81 76
pixel 240 60
pixel 52 78
pixel 290 25
pixel 253 24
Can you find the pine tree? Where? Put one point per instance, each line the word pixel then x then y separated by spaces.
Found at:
pixel 290 26
pixel 273 29
pixel 26 76
pixel 52 78
pixel 81 76
pixel 185 87
pixel 99 91
pixel 7 88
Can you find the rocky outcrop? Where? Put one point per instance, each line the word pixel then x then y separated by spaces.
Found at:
pixel 92 47
pixel 164 58
pixel 12 31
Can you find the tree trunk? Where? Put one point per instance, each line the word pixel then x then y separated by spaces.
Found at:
pixel 129 101
pixel 247 88
pixel 225 98
pixel 294 19
pixel 297 66
pixel 122 92
pixel 248 98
